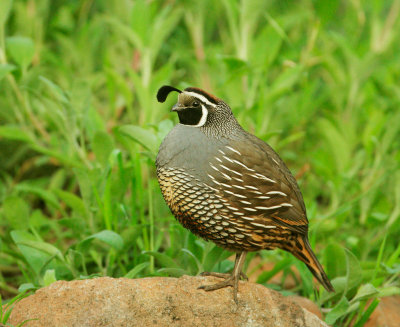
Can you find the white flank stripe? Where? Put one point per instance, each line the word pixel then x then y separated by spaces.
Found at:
pixel 214 189
pixel 222 152
pixel 263 226
pixel 286 205
pixel 249 209
pixel 251 187
pixel 237 213
pixel 234 171
pixel 263 197
pixel 232 149
pixel 277 193
pixel 243 165
pixel 218 159
pixel 238 186
pixel 241 196
pixel 247 218
pixel 262 177
pixel 268 208
pixel 245 202
pixel 226 168
pixel 213 167
pixel 229 159
pixel 226 185
pixel 226 176
pixel 235 194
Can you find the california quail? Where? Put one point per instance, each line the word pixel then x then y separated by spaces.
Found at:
pixel 228 186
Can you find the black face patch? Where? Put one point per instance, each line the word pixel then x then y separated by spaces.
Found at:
pixel 190 115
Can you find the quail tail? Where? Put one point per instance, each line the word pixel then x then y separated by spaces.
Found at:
pixel 304 253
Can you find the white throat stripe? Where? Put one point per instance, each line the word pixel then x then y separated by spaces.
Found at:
pixel 203 119
pixel 201 98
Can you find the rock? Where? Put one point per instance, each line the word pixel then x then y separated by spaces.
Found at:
pixel 386 313
pixel 158 301
pixel 306 304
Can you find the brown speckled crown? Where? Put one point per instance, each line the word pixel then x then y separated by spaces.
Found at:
pixel 208 96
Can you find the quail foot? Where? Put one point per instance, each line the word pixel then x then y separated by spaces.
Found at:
pixel 229 187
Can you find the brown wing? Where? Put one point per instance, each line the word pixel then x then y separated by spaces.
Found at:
pixel 256 183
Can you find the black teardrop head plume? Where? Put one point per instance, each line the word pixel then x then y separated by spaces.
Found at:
pixel 164 91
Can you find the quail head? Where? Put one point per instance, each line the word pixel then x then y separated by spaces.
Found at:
pixel 228 186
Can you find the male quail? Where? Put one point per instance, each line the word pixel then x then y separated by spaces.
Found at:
pixel 230 187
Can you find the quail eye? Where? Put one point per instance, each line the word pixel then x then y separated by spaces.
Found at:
pixel 196 104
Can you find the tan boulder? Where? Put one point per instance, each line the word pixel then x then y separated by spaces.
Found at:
pixel 386 314
pixel 158 301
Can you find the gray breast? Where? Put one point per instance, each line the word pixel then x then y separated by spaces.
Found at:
pixel 188 148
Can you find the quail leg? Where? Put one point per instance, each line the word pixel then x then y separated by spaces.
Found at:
pixel 243 276
pixel 231 280
pixel 226 276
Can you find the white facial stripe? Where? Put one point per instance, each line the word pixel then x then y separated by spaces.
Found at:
pixel 203 119
pixel 201 98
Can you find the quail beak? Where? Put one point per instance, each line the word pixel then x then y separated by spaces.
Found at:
pixel 177 108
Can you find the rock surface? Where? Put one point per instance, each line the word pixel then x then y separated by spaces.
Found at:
pixel 386 313
pixel 158 301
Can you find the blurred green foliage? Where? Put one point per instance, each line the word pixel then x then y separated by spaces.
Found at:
pixel 80 128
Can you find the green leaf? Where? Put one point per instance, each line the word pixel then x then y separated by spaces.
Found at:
pixel 367 313
pixel 107 236
pixel 5 8
pixel 389 291
pixel 12 132
pixel 87 178
pixel 354 271
pixel 285 81
pixel 306 276
pixel 47 196
pixel 175 272
pixel 366 291
pixel 26 286
pixel 163 259
pixel 335 259
pixel 234 63
pixel 213 257
pixel 49 277
pixel 21 50
pixel 102 145
pixel 5 69
pixel 137 269
pixel 265 276
pixel 55 90
pixel 140 135
pixel 338 311
pixel 36 253
pixel 337 144
pixel 72 201
pixel 44 247
pixel 16 212
pixel 340 286
pixel 164 127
